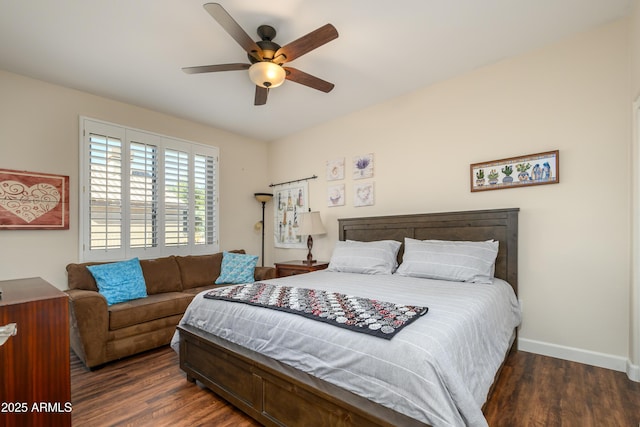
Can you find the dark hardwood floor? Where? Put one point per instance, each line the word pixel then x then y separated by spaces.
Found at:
pixel 535 390
pixel 151 390
pixel 146 390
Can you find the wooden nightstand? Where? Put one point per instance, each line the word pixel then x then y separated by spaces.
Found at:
pixel 290 268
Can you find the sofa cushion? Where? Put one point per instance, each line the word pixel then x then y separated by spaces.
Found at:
pixel 200 270
pixel 161 275
pixel 120 281
pixel 78 277
pixel 237 268
pixel 144 310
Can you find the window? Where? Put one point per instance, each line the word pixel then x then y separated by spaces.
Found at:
pixel 145 195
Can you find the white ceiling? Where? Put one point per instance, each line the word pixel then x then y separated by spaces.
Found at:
pixel 133 50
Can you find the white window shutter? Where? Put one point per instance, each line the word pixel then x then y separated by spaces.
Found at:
pixel 160 198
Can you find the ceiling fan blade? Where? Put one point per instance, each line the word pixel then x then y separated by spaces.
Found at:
pixel 261 95
pixel 215 68
pixel 229 24
pixel 307 43
pixel 303 78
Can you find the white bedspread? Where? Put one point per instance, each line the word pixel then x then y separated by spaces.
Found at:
pixel 438 369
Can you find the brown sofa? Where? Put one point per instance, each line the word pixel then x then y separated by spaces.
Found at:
pixel 102 333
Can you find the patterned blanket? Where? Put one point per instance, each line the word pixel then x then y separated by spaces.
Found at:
pixel 377 318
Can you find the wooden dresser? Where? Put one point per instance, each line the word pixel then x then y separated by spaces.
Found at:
pixel 35 385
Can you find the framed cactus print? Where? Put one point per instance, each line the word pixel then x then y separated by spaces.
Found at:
pixel 521 171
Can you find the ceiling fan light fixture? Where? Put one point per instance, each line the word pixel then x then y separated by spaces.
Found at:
pixel 267 74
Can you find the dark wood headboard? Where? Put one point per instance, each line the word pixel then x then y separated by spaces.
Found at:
pixel 498 224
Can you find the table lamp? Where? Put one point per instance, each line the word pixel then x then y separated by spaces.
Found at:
pixel 310 224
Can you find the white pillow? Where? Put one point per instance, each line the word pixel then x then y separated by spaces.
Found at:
pixel 379 257
pixel 459 261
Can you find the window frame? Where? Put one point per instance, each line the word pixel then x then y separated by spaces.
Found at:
pixel 89 126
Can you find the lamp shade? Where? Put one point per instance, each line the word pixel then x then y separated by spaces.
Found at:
pixel 263 197
pixel 267 74
pixel 310 224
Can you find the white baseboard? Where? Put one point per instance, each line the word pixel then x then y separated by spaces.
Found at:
pixel 587 357
pixel 633 371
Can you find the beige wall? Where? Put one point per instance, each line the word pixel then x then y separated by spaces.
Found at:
pixel 39 132
pixel 574 236
pixel 634 32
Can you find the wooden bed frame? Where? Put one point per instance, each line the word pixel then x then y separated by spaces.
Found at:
pixel 275 394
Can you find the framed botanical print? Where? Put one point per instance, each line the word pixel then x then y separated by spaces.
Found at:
pixel 363 166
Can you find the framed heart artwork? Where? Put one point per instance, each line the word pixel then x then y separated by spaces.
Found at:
pixel 33 201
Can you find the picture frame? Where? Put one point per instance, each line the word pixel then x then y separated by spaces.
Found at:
pixel 363 194
pixel 531 169
pixel 335 169
pixel 289 201
pixel 33 201
pixel 363 166
pixel 335 195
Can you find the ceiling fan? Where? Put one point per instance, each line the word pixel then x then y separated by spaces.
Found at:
pixel 267 57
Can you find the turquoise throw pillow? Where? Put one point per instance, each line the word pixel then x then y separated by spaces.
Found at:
pixel 119 281
pixel 237 268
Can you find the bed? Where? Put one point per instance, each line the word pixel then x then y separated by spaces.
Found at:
pixel 301 387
